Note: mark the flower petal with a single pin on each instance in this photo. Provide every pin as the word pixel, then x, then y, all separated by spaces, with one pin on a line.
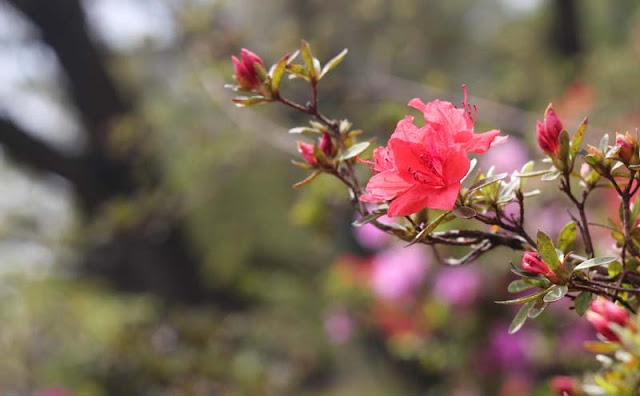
pixel 384 186
pixel 480 142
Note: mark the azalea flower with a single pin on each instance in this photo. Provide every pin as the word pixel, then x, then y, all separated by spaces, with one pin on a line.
pixel 422 167
pixel 245 69
pixel 549 131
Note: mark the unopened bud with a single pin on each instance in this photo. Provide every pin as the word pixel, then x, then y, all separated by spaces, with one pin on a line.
pixel 549 131
pixel 563 385
pixel 628 147
pixel 326 144
pixel 246 73
pixel 531 262
pixel 308 153
pixel 602 313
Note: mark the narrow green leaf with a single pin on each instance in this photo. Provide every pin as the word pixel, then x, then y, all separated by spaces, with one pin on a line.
pixel 548 252
pixel 308 180
pixel 555 294
pixel 367 219
pixel 521 317
pixel 604 143
pixel 551 176
pixel 307 55
pixel 277 73
pixel 354 150
pixel 532 174
pixel 524 299
pixel 576 142
pixel 519 285
pixel 464 212
pixel 567 237
pixel 594 262
pixel 298 130
pixel 333 63
pixel 537 309
pixel 244 101
pixel 582 302
pixel 486 181
pixel 427 230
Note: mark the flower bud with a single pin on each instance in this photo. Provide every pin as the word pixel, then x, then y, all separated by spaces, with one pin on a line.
pixel 307 150
pixel 531 262
pixel 549 131
pixel 602 313
pixel 628 147
pixel 245 70
pixel 326 145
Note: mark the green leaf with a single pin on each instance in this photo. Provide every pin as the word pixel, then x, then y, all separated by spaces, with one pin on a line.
pixel 604 143
pixel 354 150
pixel 333 63
pixel 427 230
pixel 521 317
pixel 307 55
pixel 537 309
pixel 594 262
pixel 551 176
pixel 277 73
pixel 486 181
pixel 555 294
pixel 297 130
pixel 308 180
pixel 244 101
pixel 525 299
pixel 548 252
pixel 519 285
pixel 582 302
pixel 464 212
pixel 532 174
pixel 567 237
pixel 367 219
pixel 576 142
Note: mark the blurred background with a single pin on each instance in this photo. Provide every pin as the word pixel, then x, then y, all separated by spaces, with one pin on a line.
pixel 151 244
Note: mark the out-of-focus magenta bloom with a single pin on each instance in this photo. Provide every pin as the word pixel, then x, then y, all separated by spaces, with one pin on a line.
pixel 507 352
pixel 370 237
pixel 458 286
pixel 506 157
pixel 531 262
pixel 53 392
pixel 398 272
pixel 339 327
pixel 549 131
pixel 572 338
pixel 602 313
pixel 307 151
pixel 245 69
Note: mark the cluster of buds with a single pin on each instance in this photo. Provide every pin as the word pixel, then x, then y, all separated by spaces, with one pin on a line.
pixel 602 313
pixel 531 262
pixel 319 154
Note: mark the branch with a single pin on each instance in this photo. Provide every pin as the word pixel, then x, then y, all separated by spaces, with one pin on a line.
pixel 36 154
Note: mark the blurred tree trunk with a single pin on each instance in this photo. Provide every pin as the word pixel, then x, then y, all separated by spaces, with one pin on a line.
pixel 146 257
pixel 565 29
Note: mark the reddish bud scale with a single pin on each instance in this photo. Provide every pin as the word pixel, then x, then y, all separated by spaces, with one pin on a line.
pixel 628 147
pixel 549 131
pixel 326 145
pixel 245 69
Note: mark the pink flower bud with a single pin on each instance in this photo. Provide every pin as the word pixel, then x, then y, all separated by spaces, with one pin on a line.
pixel 602 313
pixel 326 145
pixel 531 262
pixel 307 151
pixel 245 70
pixel 628 147
pixel 549 131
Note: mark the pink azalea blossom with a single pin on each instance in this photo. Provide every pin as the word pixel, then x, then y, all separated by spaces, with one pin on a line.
pixel 458 286
pixel 422 167
pixel 339 327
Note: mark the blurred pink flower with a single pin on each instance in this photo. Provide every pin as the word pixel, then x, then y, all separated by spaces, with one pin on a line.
pixel 507 352
pixel 53 392
pixel 458 286
pixel 398 272
pixel 339 327
pixel 370 237
pixel 506 157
